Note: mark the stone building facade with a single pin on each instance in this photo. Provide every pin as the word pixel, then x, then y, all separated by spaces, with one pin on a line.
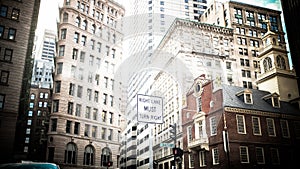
pixel 84 127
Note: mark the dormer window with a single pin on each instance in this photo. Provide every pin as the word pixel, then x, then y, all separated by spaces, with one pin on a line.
pixel 272 99
pixel 275 101
pixel 246 96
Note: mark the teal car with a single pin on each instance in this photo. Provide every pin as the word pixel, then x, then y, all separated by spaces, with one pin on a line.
pixel 31 165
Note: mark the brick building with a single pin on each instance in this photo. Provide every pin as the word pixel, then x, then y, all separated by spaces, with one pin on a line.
pixel 235 127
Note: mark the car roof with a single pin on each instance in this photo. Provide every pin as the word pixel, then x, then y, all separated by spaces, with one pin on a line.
pixel 29 165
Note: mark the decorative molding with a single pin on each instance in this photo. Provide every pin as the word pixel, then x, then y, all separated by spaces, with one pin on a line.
pixel 261 113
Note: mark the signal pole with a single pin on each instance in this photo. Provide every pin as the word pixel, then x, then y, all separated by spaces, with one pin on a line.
pixel 174 137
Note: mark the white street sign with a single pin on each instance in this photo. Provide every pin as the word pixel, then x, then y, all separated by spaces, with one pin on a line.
pixel 149 109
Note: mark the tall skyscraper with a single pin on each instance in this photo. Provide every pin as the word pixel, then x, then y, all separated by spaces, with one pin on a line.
pixel 145 24
pixel 44 60
pixel 17 25
pixel 84 123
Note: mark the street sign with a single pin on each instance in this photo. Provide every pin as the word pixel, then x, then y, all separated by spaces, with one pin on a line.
pixel 170 145
pixel 149 109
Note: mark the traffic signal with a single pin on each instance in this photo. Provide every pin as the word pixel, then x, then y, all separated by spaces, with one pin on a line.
pixel 109 163
pixel 173 131
pixel 177 152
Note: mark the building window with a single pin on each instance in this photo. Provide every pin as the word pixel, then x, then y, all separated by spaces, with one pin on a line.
pixel 95 114
pixel 76 128
pixel 12 33
pixel 59 68
pixel 57 86
pixel 84 25
pixel 275 156
pixel 70 108
pixel 79 91
pixel 104 98
pixel 55 105
pixel 1 31
pixel 103 133
pixel 202 158
pixel 110 134
pixel 70 154
pixel 88 157
pixel 248 98
pixel 76 37
pixel 189 134
pixel 260 157
pixel 105 156
pixel 103 117
pixel 78 110
pixel 215 156
pixel 87 130
pixel 213 126
pixel 4 77
pixel 285 128
pixel 88 112
pixel 244 156
pixel 65 17
pixel 15 14
pixel 94 131
pixel 191 161
pixel 240 120
pixel 72 89
pixel 275 101
pixel 75 54
pixel 53 124
pixel 8 53
pixel 82 56
pixel 256 126
pixel 68 126
pixel 61 50
pixel 83 40
pixel 89 94
pixel 99 47
pixel 3 11
pixel 110 118
pixel 96 96
pixel 267 64
pixel 271 127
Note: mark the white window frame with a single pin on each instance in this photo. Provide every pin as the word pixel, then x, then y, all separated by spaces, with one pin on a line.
pixel 244 154
pixel 256 126
pixel 284 128
pixel 260 154
pixel 240 124
pixel 213 126
pixel 271 127
pixel 215 156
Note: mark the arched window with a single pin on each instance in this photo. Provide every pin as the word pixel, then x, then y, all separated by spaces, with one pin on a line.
pixel 78 22
pixel 65 17
pixel 105 156
pixel 88 158
pixel 267 64
pixel 84 25
pixel 70 153
pixel 280 62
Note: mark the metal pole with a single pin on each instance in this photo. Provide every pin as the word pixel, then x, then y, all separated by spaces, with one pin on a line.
pixel 175 140
pixel 125 150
